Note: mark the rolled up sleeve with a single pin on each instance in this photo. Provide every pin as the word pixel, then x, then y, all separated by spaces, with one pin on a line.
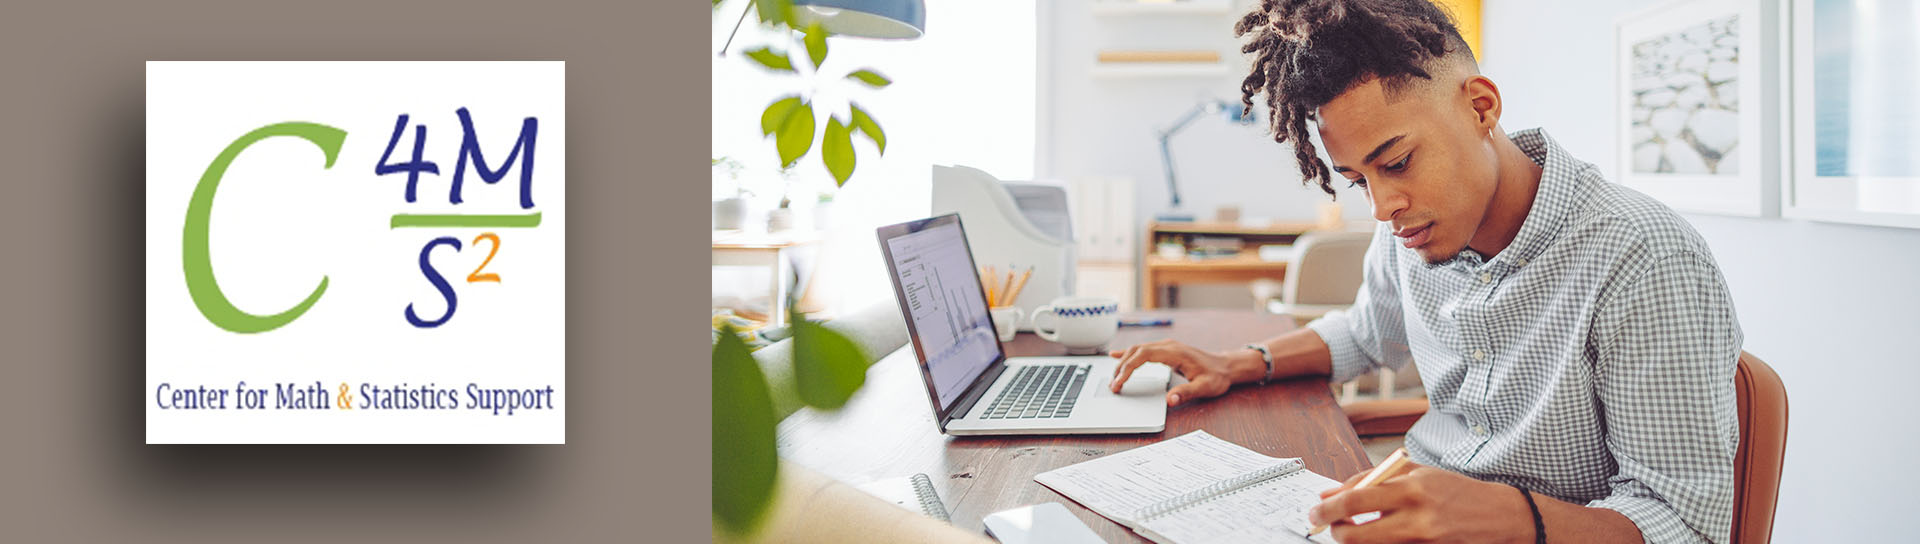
pixel 1667 346
pixel 1373 332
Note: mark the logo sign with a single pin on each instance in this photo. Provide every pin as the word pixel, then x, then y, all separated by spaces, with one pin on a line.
pixel 356 252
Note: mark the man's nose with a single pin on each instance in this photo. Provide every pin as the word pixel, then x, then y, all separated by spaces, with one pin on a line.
pixel 1386 203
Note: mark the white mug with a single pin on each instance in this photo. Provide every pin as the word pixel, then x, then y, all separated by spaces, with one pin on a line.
pixel 1083 324
pixel 1006 321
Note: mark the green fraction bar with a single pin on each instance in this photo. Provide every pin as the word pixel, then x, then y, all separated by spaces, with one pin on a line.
pixel 458 220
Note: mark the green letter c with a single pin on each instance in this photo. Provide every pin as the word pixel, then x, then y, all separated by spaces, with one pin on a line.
pixel 194 255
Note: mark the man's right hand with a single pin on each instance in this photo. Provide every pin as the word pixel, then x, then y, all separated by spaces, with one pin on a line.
pixel 1208 374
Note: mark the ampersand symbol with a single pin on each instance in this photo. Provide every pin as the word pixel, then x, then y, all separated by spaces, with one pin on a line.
pixel 343 402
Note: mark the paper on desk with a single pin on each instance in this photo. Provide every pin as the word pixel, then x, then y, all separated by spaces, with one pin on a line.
pixel 1118 485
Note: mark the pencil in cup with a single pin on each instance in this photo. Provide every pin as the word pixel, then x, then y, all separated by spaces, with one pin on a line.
pixel 1392 466
pixel 1020 286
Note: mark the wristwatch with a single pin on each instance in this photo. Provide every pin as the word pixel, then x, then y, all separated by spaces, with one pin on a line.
pixel 1265 357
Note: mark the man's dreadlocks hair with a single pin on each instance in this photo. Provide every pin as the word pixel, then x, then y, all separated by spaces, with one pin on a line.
pixel 1310 51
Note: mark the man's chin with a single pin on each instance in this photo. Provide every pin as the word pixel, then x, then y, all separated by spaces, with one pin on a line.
pixel 1434 254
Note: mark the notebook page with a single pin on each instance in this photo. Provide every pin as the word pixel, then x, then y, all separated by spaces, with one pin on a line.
pixel 1118 485
pixel 1272 511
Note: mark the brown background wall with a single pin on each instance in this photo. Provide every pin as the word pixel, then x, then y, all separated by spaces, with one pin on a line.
pixel 73 464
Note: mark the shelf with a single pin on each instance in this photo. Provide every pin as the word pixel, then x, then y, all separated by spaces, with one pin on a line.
pixel 1159 69
pixel 1190 7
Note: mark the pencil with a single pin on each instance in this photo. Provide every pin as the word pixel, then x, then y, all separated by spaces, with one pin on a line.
pixel 1019 286
pixel 986 282
pixel 1004 291
pixel 1386 469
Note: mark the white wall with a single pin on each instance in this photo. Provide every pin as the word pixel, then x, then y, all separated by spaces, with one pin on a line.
pixel 1832 307
pixel 962 94
pixel 1109 127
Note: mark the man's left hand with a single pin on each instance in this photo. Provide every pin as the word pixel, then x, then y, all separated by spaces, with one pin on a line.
pixel 1426 505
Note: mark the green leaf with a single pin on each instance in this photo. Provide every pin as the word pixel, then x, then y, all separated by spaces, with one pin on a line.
pixel 775 115
pixel 836 149
pixel 866 125
pixel 744 460
pixel 816 43
pixel 771 59
pixel 775 12
pixel 827 366
pixel 870 77
pixel 795 136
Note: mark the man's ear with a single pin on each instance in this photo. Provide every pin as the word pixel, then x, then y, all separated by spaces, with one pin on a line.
pixel 1484 97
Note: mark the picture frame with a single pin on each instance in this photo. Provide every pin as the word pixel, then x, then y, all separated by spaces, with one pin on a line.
pixel 1852 151
pixel 1696 118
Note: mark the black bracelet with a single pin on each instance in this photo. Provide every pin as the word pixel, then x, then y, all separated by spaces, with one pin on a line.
pixel 1539 527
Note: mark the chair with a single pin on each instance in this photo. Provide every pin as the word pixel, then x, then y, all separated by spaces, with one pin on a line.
pixel 1760 399
pixel 1323 275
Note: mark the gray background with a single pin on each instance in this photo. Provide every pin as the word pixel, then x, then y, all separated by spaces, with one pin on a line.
pixel 73 460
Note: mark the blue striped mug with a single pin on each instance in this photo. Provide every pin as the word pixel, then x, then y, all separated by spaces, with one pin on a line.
pixel 1083 324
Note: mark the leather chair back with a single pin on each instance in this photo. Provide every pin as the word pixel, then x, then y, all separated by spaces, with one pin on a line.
pixel 1762 403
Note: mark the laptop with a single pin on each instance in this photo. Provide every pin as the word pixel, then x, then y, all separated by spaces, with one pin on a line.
pixel 975 389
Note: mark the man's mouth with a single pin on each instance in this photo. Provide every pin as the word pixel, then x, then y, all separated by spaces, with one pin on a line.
pixel 1415 236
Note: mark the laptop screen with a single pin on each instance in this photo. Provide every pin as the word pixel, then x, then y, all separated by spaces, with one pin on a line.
pixel 946 306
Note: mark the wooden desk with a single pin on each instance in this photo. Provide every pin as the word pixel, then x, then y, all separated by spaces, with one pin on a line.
pixel 887 429
pixel 1163 276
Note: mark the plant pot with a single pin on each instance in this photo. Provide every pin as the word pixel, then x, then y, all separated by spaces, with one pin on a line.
pixel 730 214
pixel 823 216
pixel 779 219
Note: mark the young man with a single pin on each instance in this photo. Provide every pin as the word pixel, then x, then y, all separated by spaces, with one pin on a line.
pixel 1577 341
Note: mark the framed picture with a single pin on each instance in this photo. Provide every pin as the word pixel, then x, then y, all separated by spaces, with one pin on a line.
pixel 1854 152
pixel 1696 117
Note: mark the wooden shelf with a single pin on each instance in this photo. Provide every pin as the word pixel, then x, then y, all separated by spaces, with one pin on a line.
pixel 1158 69
pixel 1189 7
pixel 1229 229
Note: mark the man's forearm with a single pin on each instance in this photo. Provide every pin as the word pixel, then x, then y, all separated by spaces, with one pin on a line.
pixel 1297 353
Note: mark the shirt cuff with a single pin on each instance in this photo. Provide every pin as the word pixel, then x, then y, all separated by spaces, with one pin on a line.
pixel 1336 329
pixel 1658 522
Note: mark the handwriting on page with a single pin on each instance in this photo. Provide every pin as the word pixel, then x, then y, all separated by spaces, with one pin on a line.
pixel 1128 481
pixel 1275 510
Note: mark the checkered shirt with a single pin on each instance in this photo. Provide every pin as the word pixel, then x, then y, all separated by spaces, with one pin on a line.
pixel 1592 360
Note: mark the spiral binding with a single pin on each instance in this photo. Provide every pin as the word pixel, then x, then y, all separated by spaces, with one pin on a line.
pixel 929 501
pixel 1218 489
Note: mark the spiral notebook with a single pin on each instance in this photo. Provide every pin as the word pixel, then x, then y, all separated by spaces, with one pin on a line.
pixel 910 492
pixel 1197 489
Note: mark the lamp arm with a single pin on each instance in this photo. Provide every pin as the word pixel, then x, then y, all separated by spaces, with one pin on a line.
pixel 736 29
pixel 1166 153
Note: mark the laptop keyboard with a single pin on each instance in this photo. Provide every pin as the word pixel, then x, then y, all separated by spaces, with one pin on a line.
pixel 1039 392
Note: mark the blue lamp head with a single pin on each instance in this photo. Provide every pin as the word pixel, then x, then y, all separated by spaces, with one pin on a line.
pixel 1235 113
pixel 885 19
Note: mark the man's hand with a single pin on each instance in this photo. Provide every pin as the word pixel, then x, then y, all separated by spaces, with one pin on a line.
pixel 1208 374
pixel 1426 505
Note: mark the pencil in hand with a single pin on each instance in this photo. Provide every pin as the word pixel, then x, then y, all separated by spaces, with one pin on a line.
pixel 1392 466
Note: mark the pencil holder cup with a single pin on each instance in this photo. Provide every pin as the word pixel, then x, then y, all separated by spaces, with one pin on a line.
pixel 1006 322
pixel 1083 324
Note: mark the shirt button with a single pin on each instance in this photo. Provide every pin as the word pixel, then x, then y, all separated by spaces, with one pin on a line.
pixel 1486 277
pixel 1480 430
pixel 1479 355
pixel 1520 262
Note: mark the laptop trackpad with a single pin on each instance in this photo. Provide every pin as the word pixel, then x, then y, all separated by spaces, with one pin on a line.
pixel 1147 379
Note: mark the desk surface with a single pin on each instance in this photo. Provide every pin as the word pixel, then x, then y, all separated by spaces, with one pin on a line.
pixel 887 429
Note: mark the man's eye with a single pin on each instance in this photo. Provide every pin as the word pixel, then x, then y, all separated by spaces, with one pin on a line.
pixel 1360 182
pixel 1399 166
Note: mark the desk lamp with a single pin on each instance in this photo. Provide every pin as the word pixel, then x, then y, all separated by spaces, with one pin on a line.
pixel 882 19
pixel 1230 112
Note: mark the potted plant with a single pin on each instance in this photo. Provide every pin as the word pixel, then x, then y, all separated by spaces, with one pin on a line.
pixel 730 213
pixel 827 366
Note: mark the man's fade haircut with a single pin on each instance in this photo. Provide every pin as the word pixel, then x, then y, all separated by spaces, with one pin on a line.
pixel 1310 51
